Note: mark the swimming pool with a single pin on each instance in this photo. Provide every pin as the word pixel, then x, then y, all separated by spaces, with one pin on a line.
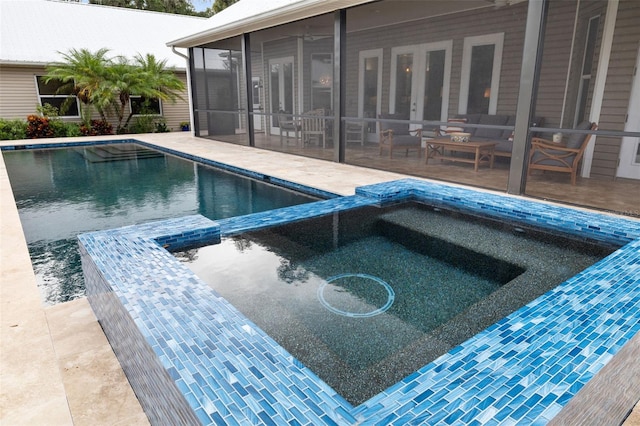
pixel 63 192
pixel 367 296
pixel 195 358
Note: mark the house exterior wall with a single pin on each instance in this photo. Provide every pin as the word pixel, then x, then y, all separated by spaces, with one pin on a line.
pixel 566 32
pixel 509 20
pixel 561 67
pixel 624 51
pixel 19 97
pixel 178 111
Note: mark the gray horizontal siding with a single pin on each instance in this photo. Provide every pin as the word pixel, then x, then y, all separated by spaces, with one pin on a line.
pixel 617 88
pixel 18 97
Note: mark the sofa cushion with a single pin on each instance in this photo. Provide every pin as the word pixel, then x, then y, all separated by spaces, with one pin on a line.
pixel 493 120
pixel 398 128
pixel 575 139
pixel 506 134
pixel 406 140
pixel 471 119
pixel 504 145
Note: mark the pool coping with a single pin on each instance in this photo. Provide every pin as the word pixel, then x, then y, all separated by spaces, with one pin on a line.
pixel 523 368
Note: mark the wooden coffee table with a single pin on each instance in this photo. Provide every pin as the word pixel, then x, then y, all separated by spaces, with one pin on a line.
pixel 438 148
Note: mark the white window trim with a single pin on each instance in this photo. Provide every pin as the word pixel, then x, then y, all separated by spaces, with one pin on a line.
pixel 141 115
pixel 585 77
pixel 40 96
pixel 601 78
pixel 496 39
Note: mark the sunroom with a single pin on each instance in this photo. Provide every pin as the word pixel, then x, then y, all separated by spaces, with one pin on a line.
pixel 381 84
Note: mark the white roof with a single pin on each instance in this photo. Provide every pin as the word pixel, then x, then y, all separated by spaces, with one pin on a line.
pixel 252 15
pixel 34 31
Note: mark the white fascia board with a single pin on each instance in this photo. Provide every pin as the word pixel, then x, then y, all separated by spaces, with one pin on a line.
pixel 220 26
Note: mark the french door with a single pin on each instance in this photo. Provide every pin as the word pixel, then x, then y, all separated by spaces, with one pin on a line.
pixel 256 87
pixel 420 77
pixel 280 89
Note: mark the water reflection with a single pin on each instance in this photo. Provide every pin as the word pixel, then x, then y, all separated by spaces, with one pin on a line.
pixel 61 193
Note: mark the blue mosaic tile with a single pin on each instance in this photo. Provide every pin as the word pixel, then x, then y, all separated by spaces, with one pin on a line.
pixel 216 367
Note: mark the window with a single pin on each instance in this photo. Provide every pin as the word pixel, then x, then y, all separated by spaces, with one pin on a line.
pixel 321 80
pixel 64 100
pixel 480 81
pixel 141 105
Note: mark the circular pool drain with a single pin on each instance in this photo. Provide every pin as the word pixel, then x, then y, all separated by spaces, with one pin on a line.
pixel 390 296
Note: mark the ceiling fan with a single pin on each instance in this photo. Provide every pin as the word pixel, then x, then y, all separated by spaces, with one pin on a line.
pixel 309 35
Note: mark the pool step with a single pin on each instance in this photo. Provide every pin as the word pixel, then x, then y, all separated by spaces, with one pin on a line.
pixel 120 152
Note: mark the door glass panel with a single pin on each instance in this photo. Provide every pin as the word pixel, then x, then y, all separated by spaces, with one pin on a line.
pixel 275 92
pixel 404 74
pixel 321 80
pixel 480 79
pixel 587 65
pixel 433 85
pixel 370 101
pixel 288 87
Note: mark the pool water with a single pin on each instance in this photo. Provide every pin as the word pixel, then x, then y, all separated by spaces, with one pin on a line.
pixel 63 192
pixel 368 296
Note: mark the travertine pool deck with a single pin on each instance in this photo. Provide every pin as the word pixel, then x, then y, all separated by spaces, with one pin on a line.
pixel 60 351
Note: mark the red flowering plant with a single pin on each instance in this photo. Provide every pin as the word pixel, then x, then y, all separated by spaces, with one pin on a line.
pixel 98 127
pixel 38 127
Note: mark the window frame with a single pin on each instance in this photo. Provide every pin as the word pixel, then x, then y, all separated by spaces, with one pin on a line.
pixel 158 114
pixel 41 96
pixel 495 39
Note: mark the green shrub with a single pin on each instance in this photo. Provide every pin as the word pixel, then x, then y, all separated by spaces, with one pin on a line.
pixel 13 129
pixel 161 126
pixel 73 129
pixel 47 110
pixel 143 124
pixel 58 127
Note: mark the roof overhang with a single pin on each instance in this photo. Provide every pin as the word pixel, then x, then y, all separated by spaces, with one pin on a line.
pixel 222 25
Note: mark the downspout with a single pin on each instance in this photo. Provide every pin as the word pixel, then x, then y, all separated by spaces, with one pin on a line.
pixel 189 99
pixel 573 42
pixel 601 79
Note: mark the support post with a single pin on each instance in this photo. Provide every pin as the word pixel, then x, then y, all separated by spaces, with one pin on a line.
pixel 246 75
pixel 529 77
pixel 339 81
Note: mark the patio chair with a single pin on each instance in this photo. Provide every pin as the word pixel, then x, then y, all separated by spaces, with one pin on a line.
pixel 314 127
pixel 354 132
pixel 397 136
pixel 547 155
pixel 287 124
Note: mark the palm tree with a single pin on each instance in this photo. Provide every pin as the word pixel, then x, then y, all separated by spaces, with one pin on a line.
pixel 148 78
pixel 83 73
pixel 108 83
pixel 123 80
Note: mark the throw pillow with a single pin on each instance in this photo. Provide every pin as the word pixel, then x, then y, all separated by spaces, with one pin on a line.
pixel 453 125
